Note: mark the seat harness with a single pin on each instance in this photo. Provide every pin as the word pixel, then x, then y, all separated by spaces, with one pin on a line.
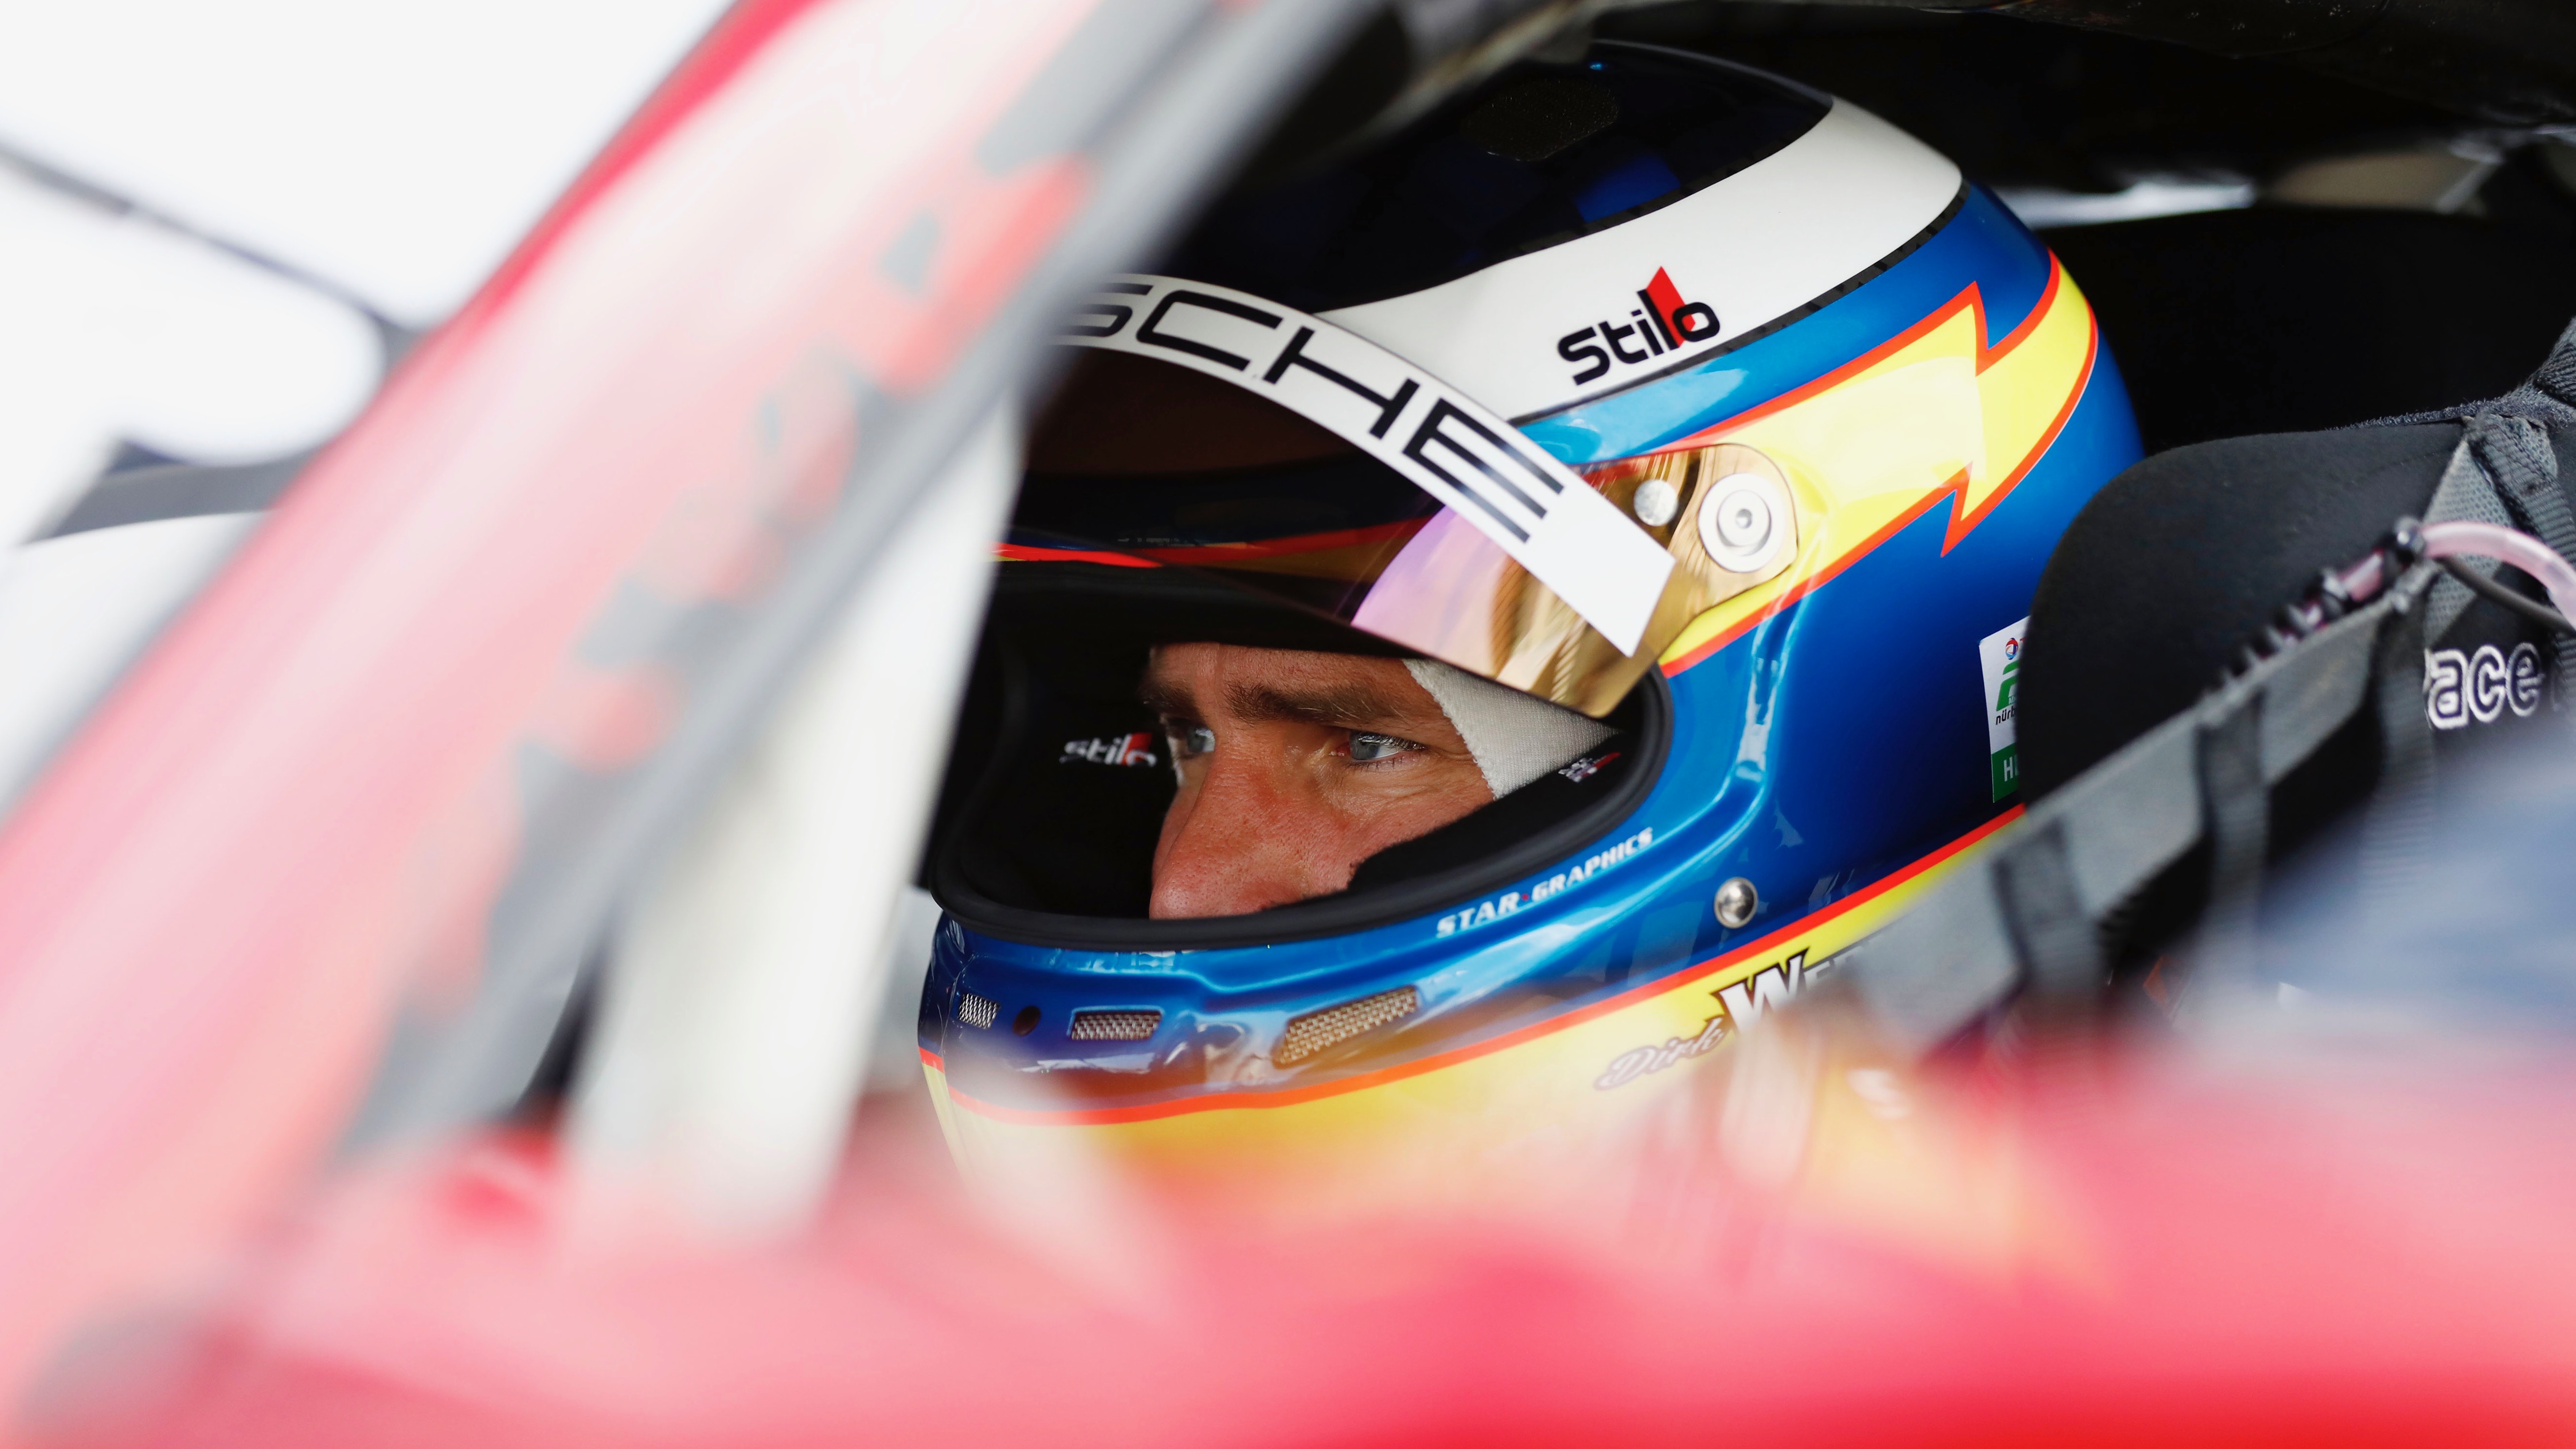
pixel 2027 917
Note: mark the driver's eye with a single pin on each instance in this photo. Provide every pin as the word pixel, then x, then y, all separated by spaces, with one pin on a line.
pixel 1367 747
pixel 1190 741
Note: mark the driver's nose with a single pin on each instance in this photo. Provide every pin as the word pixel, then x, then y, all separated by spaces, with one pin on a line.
pixel 1240 842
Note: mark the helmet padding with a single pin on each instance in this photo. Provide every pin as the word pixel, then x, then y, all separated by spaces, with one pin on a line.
pixel 1515 737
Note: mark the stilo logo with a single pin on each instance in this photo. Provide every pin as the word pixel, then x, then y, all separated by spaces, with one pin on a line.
pixel 1664 323
pixel 1135 749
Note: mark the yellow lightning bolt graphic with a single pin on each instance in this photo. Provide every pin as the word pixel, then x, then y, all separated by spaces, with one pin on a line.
pixel 1934 413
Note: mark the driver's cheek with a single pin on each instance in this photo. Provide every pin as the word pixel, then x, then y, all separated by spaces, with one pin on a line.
pixel 1251 828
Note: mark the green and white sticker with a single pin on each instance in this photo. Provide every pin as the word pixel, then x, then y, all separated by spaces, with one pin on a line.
pixel 1999 661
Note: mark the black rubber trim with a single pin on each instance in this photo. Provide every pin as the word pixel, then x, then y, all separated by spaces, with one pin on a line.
pixel 2496 593
pixel 1340 914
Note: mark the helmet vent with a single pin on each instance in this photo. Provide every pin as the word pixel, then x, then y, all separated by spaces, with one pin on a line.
pixel 1536 119
pixel 1316 1030
pixel 1115 1025
pixel 976 1011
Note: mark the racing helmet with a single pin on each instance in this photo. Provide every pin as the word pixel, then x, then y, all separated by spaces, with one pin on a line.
pixel 1657 393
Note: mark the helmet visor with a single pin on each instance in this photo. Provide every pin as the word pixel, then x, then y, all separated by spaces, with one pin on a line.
pixel 1173 467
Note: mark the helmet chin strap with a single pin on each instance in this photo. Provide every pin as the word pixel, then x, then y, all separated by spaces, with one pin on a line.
pixel 1515 737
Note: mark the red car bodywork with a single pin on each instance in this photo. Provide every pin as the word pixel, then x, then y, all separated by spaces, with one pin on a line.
pixel 293 821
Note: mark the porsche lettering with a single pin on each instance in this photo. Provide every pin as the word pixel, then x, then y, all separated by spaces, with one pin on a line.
pixel 1532 506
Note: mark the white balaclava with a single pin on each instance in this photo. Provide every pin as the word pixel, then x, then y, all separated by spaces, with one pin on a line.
pixel 1515 737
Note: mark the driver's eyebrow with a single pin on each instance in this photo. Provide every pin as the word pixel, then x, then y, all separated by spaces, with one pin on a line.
pixel 1346 706
pixel 1167 699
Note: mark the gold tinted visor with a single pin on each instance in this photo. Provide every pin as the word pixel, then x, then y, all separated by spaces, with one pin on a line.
pixel 1164 464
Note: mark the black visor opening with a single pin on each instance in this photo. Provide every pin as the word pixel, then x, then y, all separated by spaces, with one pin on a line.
pixel 1059 776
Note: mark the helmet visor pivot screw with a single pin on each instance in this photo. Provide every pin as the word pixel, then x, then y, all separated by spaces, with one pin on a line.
pixel 1656 502
pixel 1742 525
pixel 1743 520
pixel 1736 902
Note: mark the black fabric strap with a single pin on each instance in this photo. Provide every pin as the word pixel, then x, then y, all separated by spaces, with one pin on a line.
pixel 2398 828
pixel 2509 442
pixel 2236 810
pixel 2464 495
pixel 2053 936
pixel 2024 915
pixel 2514 452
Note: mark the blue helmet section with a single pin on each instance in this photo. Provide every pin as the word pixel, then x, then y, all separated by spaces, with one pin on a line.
pixel 1835 742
